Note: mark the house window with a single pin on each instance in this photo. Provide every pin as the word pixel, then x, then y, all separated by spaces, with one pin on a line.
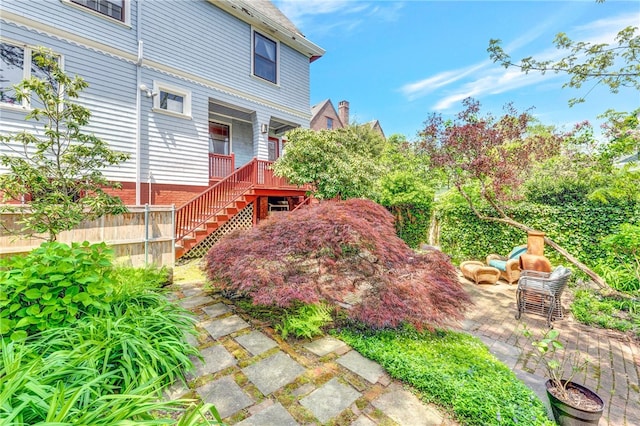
pixel 265 60
pixel 329 123
pixel 13 71
pixel 219 138
pixel 274 152
pixel 171 100
pixel 111 8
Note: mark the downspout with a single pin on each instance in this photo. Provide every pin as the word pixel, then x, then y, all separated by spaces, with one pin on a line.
pixel 139 103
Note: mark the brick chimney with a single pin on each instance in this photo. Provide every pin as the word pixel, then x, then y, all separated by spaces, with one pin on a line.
pixel 343 112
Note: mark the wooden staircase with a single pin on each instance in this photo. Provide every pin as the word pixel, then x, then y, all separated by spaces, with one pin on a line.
pixel 207 212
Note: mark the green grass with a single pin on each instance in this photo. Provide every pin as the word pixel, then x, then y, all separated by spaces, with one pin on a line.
pixel 612 312
pixel 453 370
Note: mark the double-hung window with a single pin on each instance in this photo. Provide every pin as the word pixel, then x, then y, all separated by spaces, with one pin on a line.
pixel 16 64
pixel 112 8
pixel 265 58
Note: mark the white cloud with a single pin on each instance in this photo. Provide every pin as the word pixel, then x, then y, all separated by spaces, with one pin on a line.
pixel 483 78
pixel 347 14
pixel 423 87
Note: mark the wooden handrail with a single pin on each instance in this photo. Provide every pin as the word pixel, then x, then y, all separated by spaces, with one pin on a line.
pixel 211 202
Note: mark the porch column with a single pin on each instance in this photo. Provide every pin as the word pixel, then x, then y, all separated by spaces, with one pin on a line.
pixel 260 138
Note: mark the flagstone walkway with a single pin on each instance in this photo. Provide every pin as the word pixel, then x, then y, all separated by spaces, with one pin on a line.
pixel 254 378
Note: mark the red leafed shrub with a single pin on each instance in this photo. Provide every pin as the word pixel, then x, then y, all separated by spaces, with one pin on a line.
pixel 345 253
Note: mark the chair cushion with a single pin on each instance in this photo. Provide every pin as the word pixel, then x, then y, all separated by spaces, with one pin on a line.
pixel 558 272
pixel 517 252
pixel 499 264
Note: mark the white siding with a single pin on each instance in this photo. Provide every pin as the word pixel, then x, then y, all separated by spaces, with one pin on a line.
pixel 192 45
pixel 111 96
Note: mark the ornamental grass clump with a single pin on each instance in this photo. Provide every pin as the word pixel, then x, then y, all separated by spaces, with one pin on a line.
pixel 343 253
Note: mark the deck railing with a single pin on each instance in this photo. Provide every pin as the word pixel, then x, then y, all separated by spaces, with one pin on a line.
pixel 221 166
pixel 203 207
pixel 266 178
pixel 255 174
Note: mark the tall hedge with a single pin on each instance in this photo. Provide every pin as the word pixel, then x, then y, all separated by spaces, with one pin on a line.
pixel 578 227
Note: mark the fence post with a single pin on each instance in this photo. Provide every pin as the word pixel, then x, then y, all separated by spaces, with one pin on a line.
pixel 173 231
pixel 146 234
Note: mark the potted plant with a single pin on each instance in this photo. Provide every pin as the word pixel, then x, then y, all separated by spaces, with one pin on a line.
pixel 571 403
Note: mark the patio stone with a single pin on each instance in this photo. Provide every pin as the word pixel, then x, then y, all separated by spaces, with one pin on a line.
pixel 216 310
pixel 272 373
pixel 176 391
pixel 194 301
pixel 256 342
pixel 405 408
pixel 226 395
pixel 274 415
pixel 216 358
pixel 192 291
pixel 224 326
pixel 191 339
pixel 329 400
pixel 362 366
pixel 363 421
pixel 323 346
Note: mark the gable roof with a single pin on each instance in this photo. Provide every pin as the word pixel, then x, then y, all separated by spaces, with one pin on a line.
pixel 264 15
pixel 315 109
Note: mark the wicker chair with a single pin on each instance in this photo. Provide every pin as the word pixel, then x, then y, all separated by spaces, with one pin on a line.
pixel 540 293
pixel 509 266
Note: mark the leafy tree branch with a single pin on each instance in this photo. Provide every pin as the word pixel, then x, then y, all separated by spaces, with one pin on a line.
pixel 59 172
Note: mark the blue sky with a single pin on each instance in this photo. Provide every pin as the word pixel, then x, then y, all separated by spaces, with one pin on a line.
pixel 399 61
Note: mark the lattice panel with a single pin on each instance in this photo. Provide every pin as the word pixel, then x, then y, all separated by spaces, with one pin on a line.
pixel 242 220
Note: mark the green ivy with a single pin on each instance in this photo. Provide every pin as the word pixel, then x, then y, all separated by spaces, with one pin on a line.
pixel 53 285
pixel 580 228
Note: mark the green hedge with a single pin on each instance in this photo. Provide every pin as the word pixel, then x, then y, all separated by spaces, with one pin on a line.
pixel 412 223
pixel 579 228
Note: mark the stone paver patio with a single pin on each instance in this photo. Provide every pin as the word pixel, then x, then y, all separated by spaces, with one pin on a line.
pixel 255 378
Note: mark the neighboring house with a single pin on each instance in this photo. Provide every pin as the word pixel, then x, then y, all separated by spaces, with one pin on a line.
pixel 192 90
pixel 325 116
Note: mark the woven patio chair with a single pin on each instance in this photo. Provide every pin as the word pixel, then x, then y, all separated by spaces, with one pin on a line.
pixel 540 293
pixel 509 265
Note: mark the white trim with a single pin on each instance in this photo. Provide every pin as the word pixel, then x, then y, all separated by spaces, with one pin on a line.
pixel 253 55
pixel 26 72
pixel 126 11
pixel 164 87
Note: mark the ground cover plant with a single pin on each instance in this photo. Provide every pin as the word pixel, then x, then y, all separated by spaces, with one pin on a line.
pixel 97 362
pixel 341 253
pixel 454 370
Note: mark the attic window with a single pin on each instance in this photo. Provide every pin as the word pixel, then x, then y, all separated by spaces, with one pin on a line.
pixel 265 58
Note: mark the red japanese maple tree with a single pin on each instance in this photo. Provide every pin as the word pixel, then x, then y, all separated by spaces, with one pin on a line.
pixel 345 253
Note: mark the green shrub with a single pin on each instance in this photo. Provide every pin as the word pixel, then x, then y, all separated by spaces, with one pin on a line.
pixel 51 389
pixel 305 321
pixel 624 258
pixel 453 370
pixel 53 285
pixel 104 368
pixel 579 228
pixel 129 281
pixel 617 312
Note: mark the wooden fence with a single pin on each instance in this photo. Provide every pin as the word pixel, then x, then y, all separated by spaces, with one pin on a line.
pixel 144 235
